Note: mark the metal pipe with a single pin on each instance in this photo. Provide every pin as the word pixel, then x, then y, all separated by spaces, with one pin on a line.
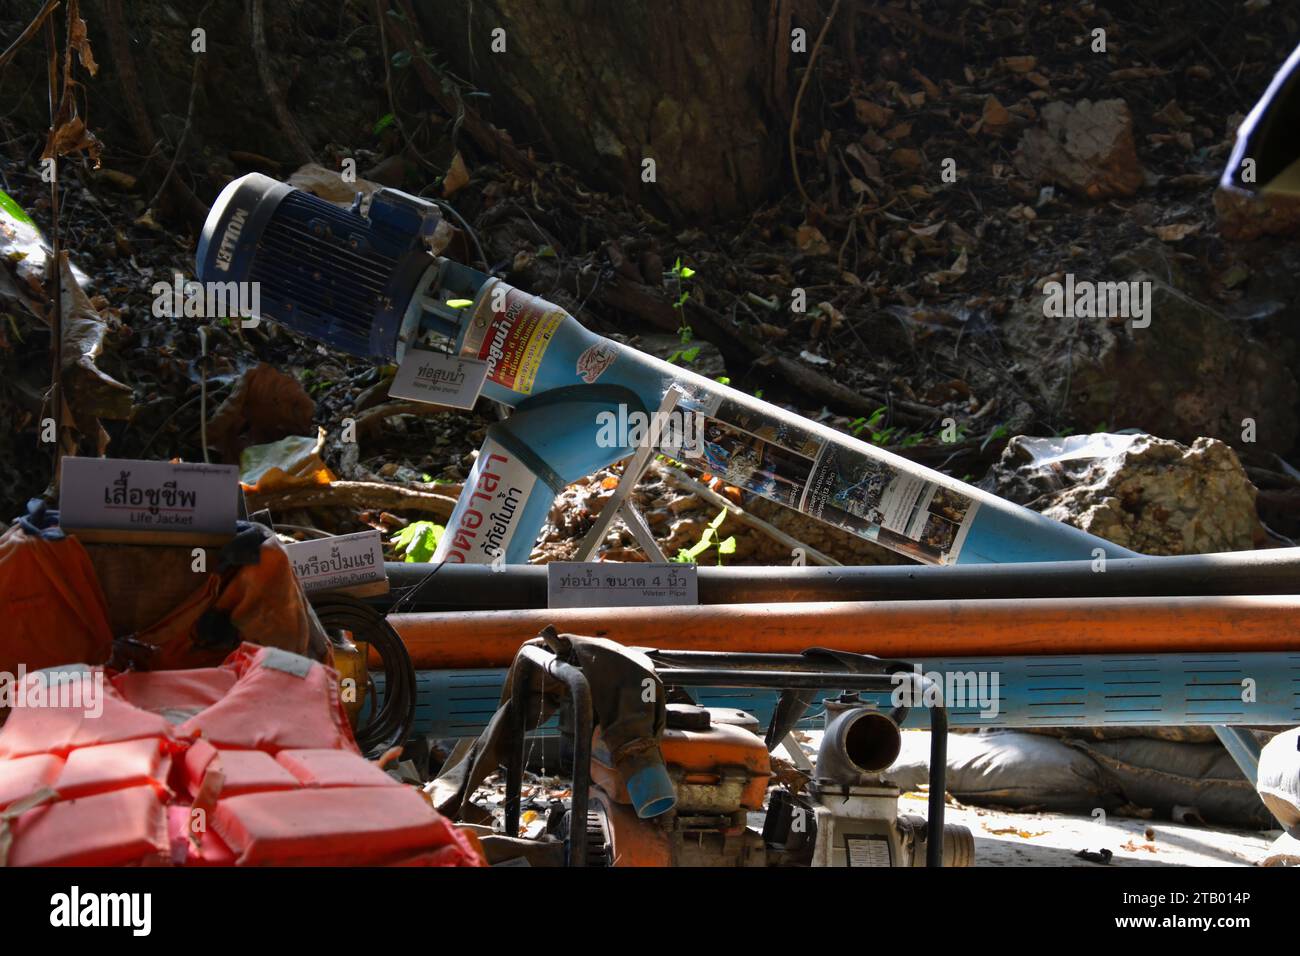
pixel 1174 690
pixel 457 587
pixel 706 677
pixel 899 629
pixel 1243 748
pixel 857 741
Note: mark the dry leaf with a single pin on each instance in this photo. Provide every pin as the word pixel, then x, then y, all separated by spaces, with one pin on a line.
pixel 1003 831
pixel 955 271
pixel 79 39
pixel 872 114
pixel 810 240
pixel 265 406
pixel 329 184
pixel 1017 64
pixel 457 175
pixel 996 118
pixel 909 159
pixel 899 131
pixel 1176 231
pixel 870 165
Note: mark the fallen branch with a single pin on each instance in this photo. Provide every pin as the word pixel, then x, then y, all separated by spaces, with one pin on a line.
pixel 486 136
pixel 648 305
pixel 189 120
pixel 370 420
pixel 798 99
pixel 362 495
pixel 271 86
pixel 679 479
pixel 115 24
pixel 29 32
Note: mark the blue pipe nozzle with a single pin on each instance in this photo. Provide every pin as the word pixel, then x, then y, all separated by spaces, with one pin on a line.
pixel 651 790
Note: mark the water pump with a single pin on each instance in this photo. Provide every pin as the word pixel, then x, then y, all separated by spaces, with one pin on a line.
pixel 362 281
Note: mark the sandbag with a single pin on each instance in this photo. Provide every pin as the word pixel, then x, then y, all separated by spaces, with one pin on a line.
pixel 1010 769
pixel 1278 782
pixel 1161 775
pixel 1033 771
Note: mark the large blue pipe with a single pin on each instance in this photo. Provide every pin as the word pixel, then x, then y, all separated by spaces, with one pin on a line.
pixel 1235 690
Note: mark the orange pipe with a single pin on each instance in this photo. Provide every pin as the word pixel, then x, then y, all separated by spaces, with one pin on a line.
pixel 902 629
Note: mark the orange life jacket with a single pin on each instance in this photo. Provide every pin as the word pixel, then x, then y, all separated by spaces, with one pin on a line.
pixel 249 763
pixel 55 612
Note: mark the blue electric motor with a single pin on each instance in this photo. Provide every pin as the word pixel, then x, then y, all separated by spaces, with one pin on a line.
pixel 361 284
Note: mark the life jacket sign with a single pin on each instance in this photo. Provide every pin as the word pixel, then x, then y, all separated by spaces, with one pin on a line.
pixel 119 499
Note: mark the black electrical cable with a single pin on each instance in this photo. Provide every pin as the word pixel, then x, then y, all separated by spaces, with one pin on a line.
pixel 390 721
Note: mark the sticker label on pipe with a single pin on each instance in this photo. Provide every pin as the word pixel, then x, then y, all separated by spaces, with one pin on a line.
pixel 572 584
pixel 487 514
pixel 512 341
pixel 438 378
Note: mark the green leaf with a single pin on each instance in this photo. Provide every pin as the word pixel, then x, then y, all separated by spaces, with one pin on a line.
pixel 418 541
pixel 11 208
pixel 723 380
pixel 691 354
pixel 686 273
pixel 384 122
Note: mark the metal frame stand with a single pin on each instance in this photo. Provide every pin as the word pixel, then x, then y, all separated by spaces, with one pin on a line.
pixel 619 504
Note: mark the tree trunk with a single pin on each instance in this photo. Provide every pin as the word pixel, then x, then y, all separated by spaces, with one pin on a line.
pixel 702 89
